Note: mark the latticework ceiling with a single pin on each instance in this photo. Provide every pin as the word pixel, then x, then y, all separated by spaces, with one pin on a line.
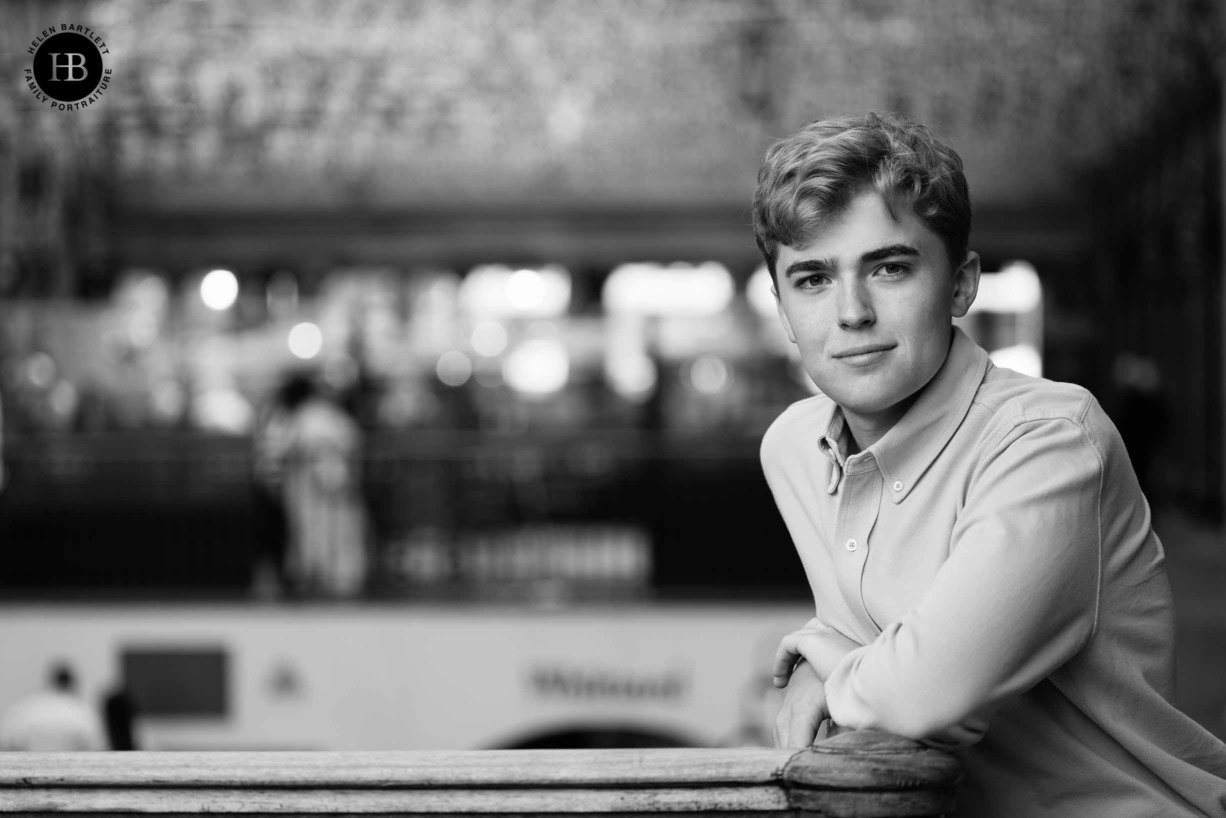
pixel 389 104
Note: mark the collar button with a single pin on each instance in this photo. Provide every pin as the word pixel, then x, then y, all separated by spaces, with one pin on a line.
pixel 897 485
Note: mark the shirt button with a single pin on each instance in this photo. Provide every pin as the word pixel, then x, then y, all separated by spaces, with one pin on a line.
pixel 897 485
pixel 850 545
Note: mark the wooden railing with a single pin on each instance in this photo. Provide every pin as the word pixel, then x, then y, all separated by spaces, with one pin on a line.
pixel 862 774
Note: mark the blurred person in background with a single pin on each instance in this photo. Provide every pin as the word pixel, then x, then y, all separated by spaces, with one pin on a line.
pixel 52 720
pixel 309 448
pixel 119 712
pixel 985 575
pixel 270 447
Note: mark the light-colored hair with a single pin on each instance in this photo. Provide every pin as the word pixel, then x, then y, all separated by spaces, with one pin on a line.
pixel 809 178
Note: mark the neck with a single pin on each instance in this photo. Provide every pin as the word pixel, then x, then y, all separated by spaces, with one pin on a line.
pixel 868 429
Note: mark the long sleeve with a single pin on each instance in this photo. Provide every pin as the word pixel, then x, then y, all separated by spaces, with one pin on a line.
pixel 1015 600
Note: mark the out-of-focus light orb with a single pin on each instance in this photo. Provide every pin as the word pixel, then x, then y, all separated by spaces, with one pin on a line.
pixel 492 290
pixel 454 368
pixel 525 290
pixel 224 410
pixel 1015 289
pixel 538 367
pixel 64 399
pixel 219 290
pixel 649 288
pixel 1022 358
pixel 632 376
pixel 489 339
pixel 710 375
pixel 40 370
pixel 305 340
pixel 759 291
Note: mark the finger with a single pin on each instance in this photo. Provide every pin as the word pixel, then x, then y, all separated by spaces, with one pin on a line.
pixel 781 680
pixel 785 658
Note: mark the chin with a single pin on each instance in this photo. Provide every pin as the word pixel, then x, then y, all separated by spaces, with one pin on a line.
pixel 863 404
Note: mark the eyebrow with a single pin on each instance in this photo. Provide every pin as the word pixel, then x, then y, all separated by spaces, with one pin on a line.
pixel 821 265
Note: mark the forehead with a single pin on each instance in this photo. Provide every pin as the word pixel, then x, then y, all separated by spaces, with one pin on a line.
pixel 867 223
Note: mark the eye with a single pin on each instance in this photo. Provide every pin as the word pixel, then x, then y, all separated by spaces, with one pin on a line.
pixel 893 269
pixel 812 282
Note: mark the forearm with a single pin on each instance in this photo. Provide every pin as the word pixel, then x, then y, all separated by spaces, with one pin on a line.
pixel 893 685
pixel 939 672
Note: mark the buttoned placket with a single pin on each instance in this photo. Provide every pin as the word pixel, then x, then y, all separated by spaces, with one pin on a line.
pixel 859 505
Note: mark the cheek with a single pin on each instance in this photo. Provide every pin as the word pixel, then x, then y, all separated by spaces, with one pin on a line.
pixel 807 326
pixel 812 339
pixel 928 319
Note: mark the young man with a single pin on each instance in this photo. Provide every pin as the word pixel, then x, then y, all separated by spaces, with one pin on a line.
pixel 983 567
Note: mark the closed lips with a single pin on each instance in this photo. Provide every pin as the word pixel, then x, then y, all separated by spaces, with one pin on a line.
pixel 862 351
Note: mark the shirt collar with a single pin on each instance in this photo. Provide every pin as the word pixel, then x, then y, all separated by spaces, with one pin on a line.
pixel 833 445
pixel 906 451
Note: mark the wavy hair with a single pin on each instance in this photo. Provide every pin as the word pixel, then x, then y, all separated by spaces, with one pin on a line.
pixel 809 178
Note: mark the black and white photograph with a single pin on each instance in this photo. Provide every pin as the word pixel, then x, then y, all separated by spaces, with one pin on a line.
pixel 789 408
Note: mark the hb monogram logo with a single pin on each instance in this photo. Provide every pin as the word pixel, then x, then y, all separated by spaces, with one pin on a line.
pixel 72 63
pixel 69 70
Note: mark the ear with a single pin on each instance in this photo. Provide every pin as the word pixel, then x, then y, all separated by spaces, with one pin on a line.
pixel 783 316
pixel 966 285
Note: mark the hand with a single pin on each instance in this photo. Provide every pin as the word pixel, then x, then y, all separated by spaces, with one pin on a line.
pixel 823 647
pixel 804 708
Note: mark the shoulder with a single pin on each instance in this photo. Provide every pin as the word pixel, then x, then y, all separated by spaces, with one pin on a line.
pixel 1010 399
pixel 1014 406
pixel 804 420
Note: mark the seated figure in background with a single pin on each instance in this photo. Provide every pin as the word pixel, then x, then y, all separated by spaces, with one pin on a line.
pixel 985 574
pixel 55 719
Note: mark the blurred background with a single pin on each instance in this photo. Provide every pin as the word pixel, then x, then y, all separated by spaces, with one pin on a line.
pixel 392 375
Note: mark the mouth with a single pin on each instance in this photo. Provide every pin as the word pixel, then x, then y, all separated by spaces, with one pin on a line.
pixel 864 353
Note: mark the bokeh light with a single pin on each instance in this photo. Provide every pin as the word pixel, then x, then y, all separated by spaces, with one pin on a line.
pixel 454 368
pixel 674 290
pixel 219 290
pixel 525 290
pixel 710 375
pixel 538 367
pixel 632 375
pixel 40 370
pixel 759 292
pixel 305 340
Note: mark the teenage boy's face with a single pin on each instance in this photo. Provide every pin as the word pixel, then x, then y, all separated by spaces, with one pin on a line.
pixel 869 302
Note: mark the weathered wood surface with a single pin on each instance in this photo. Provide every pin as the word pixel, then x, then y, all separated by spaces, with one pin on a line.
pixel 418 769
pixel 860 774
pixel 863 774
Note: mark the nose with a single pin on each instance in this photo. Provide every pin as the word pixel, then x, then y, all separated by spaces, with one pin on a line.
pixel 855 306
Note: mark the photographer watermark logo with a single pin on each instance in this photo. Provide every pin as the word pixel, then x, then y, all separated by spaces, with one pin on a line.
pixel 69 70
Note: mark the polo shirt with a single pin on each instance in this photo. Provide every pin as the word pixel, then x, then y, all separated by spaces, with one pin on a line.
pixel 993 555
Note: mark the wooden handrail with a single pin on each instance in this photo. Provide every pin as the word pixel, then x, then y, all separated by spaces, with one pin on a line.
pixel 854 774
